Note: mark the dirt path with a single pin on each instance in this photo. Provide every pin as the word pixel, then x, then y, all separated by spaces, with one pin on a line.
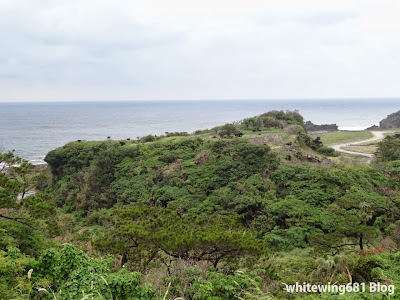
pixel 378 135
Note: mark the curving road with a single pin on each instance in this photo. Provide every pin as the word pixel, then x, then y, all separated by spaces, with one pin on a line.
pixel 378 135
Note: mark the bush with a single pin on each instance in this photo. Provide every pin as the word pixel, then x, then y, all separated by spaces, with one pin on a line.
pixel 328 151
pixel 74 273
pixel 294 129
pixel 243 284
pixel 168 158
pixel 148 138
pixel 169 134
pixel 14 267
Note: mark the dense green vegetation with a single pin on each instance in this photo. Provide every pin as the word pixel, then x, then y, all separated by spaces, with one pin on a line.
pixel 205 216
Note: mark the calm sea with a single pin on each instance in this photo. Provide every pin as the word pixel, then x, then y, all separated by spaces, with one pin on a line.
pixel 33 129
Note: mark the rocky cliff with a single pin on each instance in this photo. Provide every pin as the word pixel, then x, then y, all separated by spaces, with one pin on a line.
pixel 310 126
pixel 391 121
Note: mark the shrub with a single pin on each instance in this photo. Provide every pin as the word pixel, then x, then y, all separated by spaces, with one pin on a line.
pixel 74 273
pixel 328 151
pixel 148 138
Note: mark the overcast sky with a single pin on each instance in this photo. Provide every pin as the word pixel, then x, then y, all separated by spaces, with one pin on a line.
pixel 69 50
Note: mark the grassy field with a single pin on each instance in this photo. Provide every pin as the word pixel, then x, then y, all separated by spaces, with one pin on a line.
pixel 268 130
pixel 391 133
pixel 340 137
pixel 361 149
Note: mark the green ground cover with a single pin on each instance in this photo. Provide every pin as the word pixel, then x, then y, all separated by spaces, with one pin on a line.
pixel 340 137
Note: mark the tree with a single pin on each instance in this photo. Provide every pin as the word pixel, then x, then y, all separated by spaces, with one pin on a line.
pixel 19 213
pixel 227 130
pixel 9 185
pixel 17 178
pixel 389 149
pixel 190 237
pixel 352 218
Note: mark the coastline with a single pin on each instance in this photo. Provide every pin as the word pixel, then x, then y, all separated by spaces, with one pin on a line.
pixel 36 167
pixel 44 127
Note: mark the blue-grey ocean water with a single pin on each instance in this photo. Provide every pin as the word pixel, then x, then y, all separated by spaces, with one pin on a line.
pixel 33 129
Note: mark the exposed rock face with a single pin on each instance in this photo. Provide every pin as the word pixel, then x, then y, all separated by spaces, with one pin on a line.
pixel 310 126
pixel 373 127
pixel 391 121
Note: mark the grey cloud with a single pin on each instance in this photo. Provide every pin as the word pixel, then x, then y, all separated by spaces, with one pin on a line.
pixel 49 49
pixel 35 54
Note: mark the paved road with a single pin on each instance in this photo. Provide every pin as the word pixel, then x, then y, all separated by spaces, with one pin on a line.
pixel 378 135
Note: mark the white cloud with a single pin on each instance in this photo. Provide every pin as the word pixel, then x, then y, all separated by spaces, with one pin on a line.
pixel 177 49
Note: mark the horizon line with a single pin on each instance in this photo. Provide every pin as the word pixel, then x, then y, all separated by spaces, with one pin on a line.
pixel 205 99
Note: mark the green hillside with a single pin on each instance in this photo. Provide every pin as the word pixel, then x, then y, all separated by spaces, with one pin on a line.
pixel 227 213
